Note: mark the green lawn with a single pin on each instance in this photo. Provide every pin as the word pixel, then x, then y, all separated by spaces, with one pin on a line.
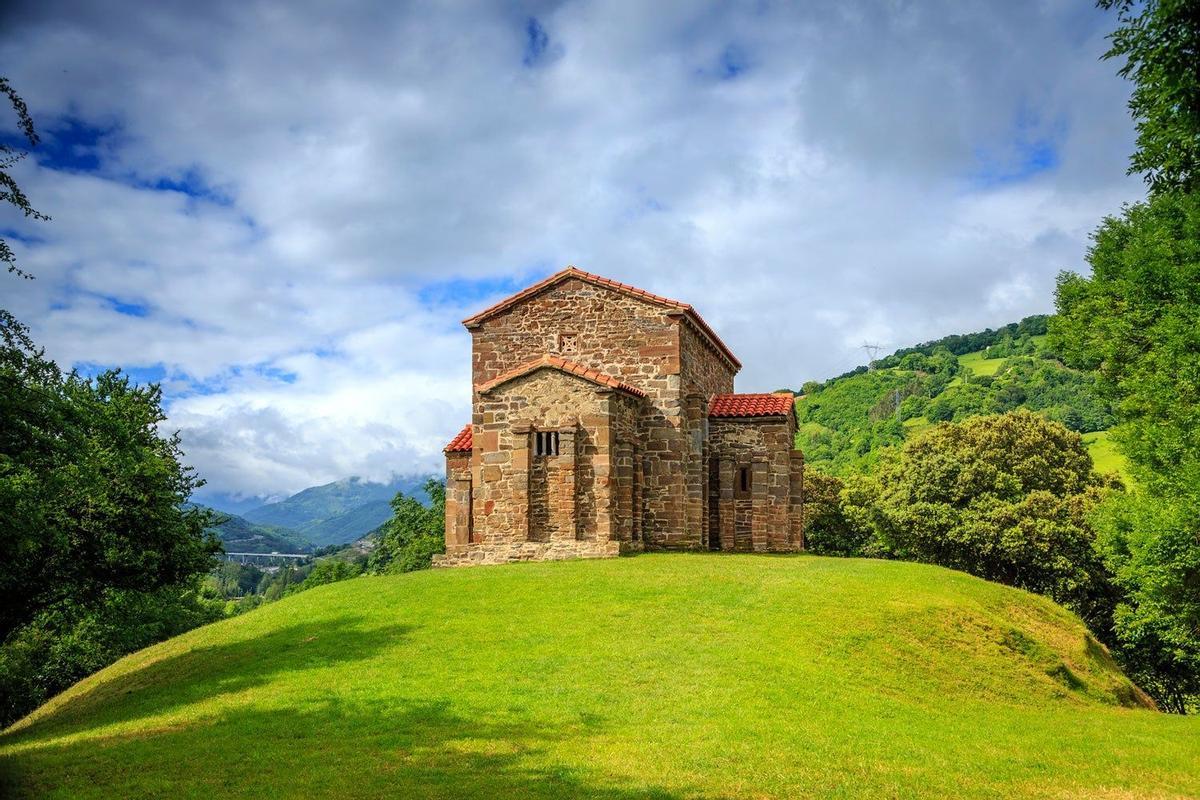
pixel 979 365
pixel 662 676
pixel 1104 453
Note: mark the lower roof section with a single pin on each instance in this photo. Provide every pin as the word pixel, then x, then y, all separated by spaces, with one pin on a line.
pixel 752 405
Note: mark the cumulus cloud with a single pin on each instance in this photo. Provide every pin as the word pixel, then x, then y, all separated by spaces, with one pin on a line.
pixel 285 209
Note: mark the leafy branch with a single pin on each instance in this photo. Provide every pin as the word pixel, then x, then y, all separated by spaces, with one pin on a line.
pixel 10 192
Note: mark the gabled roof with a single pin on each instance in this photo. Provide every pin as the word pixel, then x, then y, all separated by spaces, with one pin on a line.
pixel 570 367
pixel 461 443
pixel 751 405
pixel 674 306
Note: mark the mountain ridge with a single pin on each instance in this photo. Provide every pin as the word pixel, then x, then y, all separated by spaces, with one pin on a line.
pixel 338 512
pixel 240 535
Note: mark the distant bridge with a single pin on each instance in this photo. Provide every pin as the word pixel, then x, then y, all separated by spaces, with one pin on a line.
pixel 269 559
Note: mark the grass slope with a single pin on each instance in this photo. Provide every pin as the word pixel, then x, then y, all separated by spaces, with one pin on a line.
pixel 663 676
pixel 1105 454
pixel 979 364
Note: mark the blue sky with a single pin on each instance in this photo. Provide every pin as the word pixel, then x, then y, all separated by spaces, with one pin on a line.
pixel 281 212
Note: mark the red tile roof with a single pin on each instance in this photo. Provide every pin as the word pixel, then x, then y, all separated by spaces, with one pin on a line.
pixel 572 272
pixel 460 443
pixel 562 364
pixel 751 405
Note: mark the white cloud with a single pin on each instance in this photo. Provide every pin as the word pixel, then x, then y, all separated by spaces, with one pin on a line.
pixel 809 178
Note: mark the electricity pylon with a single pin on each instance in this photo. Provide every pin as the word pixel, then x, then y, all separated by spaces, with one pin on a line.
pixel 872 353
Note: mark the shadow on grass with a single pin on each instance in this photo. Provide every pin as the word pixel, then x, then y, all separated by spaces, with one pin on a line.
pixel 201 673
pixel 331 749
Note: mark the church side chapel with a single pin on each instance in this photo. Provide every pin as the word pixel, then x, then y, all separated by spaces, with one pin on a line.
pixel 604 421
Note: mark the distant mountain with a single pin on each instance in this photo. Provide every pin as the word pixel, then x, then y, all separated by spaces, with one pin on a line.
pixel 350 525
pixel 240 535
pixel 338 512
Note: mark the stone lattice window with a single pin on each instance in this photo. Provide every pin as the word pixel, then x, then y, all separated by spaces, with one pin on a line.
pixel 568 343
pixel 545 443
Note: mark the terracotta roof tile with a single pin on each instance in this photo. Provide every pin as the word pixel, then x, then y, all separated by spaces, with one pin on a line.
pixel 573 272
pixel 751 405
pixel 461 443
pixel 562 364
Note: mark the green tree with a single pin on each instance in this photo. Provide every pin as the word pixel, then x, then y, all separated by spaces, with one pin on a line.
pixel 231 579
pixel 827 531
pixel 409 540
pixel 10 192
pixel 1136 322
pixel 91 495
pixel 99 553
pixel 1151 545
pixel 1004 497
pixel 329 570
pixel 1160 42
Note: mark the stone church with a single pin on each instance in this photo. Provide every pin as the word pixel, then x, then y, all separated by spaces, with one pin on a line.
pixel 604 421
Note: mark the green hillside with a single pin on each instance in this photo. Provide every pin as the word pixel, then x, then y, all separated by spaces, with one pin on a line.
pixel 1104 453
pixel 338 512
pixel 348 526
pixel 847 421
pixel 240 535
pixel 978 363
pixel 663 676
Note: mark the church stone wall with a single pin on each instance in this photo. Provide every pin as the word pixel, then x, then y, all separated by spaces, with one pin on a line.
pixel 760 519
pixel 627 338
pixel 530 507
pixel 704 371
pixel 623 336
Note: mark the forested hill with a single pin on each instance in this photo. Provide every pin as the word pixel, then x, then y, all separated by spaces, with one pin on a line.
pixel 847 421
pixel 240 535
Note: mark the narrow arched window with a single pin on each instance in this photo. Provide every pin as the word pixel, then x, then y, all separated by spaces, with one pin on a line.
pixel 744 482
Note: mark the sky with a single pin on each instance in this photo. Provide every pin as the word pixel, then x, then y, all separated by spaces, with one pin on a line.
pixel 282 211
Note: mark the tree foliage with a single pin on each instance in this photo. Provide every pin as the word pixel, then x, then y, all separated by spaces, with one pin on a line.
pixel 66 644
pixel 99 553
pixel 1004 497
pixel 827 530
pixel 414 534
pixel 10 192
pixel 1064 395
pixel 1160 43
pixel 1136 321
pixel 1152 547
pixel 91 496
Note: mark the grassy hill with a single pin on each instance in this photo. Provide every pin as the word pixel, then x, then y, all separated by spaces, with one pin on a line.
pixel 663 676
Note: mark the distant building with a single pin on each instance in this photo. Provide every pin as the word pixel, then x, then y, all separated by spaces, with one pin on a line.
pixel 604 420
